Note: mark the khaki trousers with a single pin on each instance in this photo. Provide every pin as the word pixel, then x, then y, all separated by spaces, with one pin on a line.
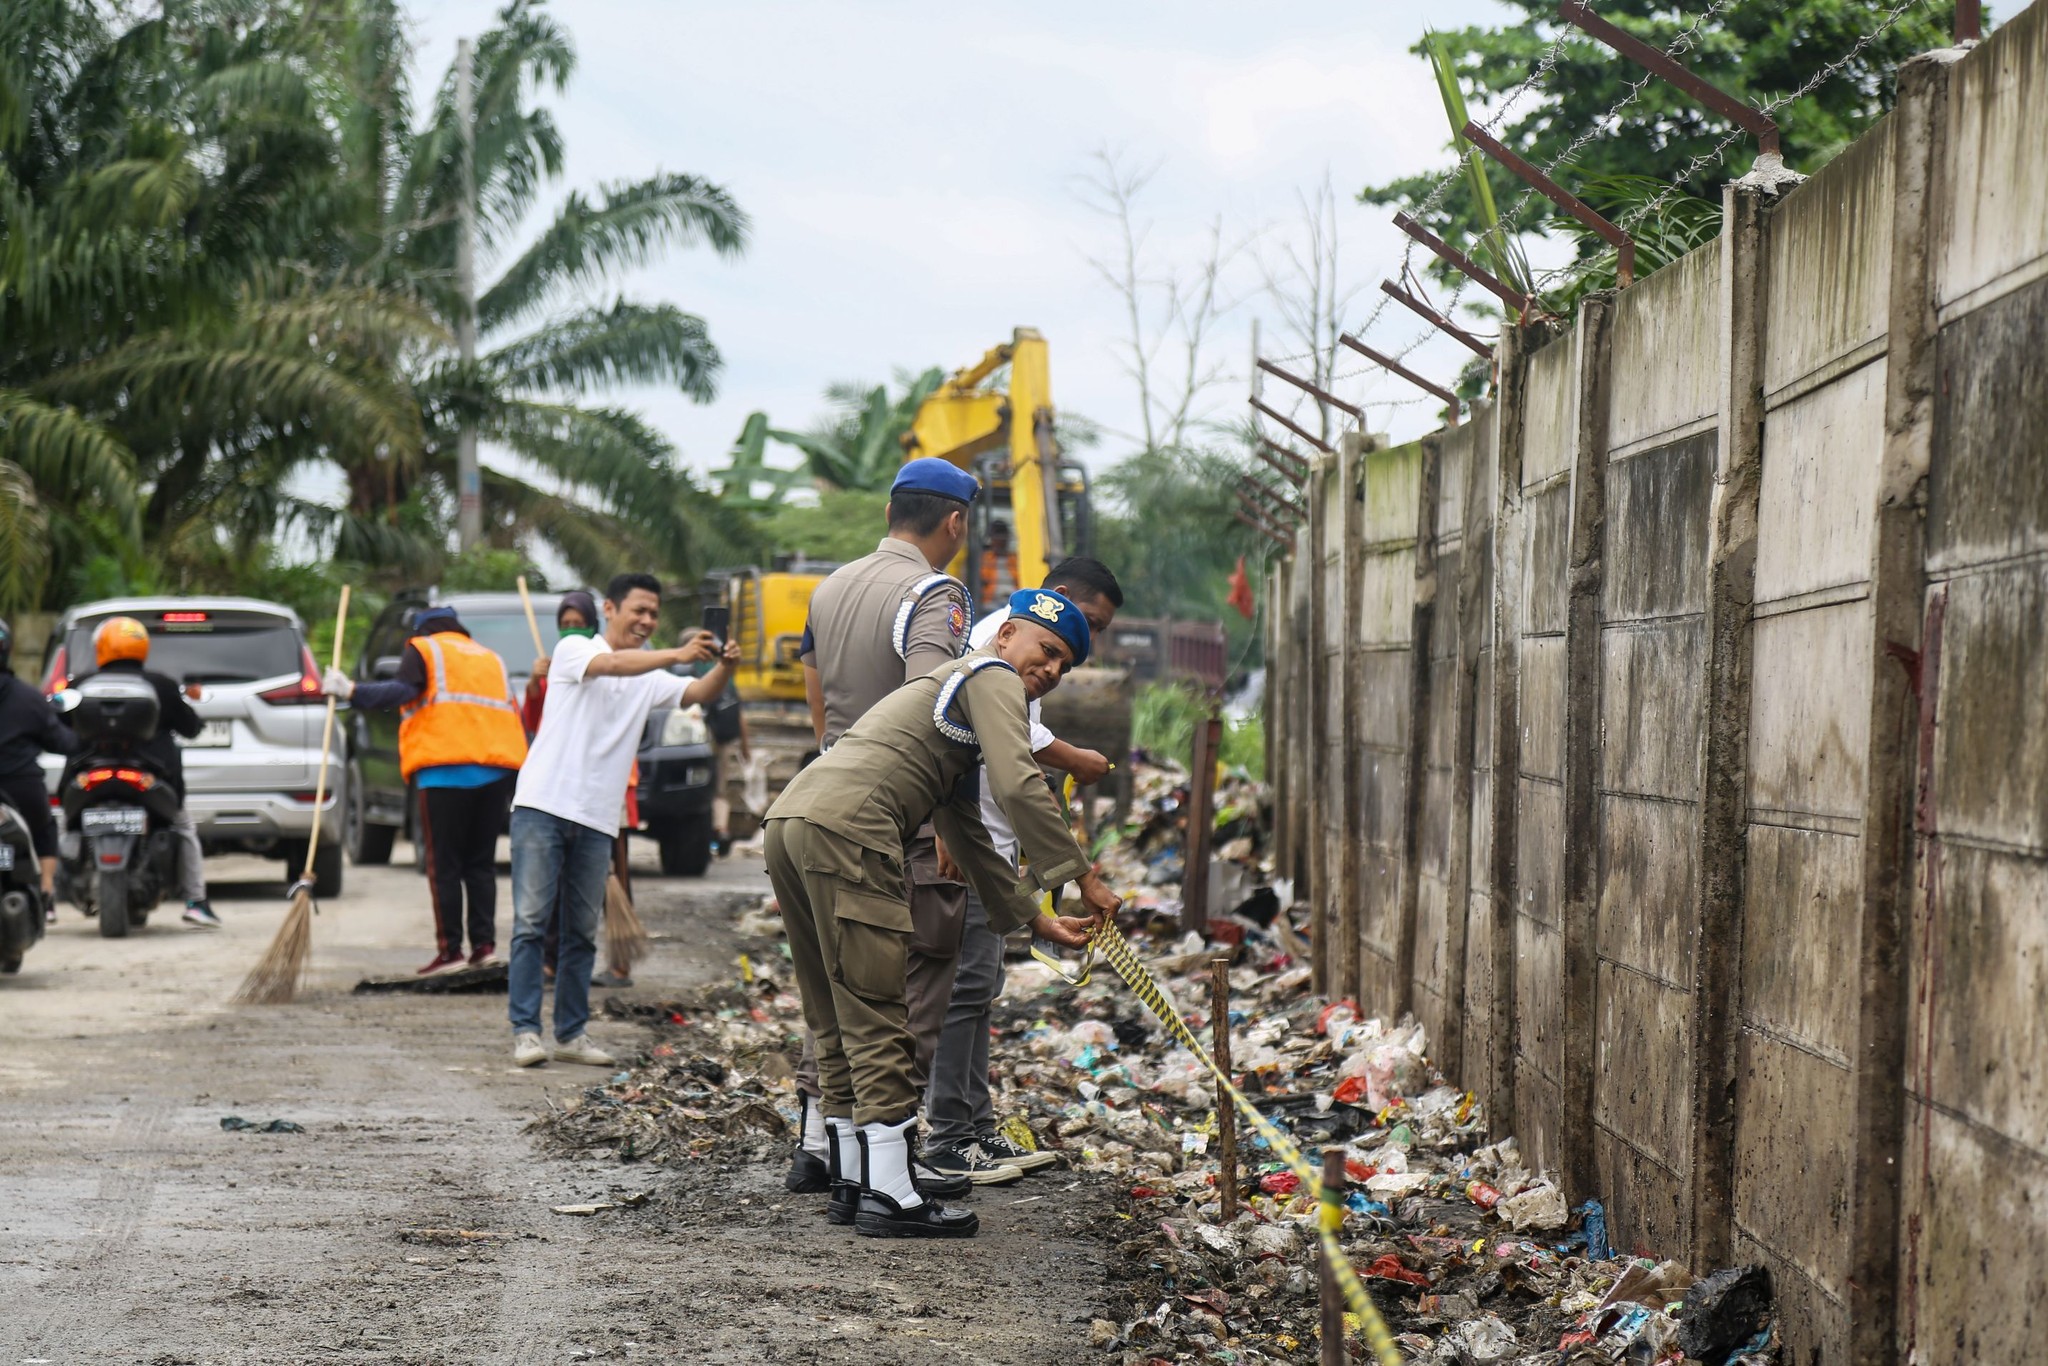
pixel 847 913
pixel 938 914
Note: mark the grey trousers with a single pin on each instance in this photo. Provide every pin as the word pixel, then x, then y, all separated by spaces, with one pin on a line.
pixel 192 858
pixel 957 1103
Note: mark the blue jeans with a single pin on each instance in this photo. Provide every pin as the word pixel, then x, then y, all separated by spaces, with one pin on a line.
pixel 555 858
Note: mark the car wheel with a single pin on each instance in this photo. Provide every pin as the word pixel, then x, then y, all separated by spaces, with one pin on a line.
pixel 686 847
pixel 327 871
pixel 368 843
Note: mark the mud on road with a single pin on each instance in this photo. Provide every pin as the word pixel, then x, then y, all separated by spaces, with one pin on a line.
pixel 411 1222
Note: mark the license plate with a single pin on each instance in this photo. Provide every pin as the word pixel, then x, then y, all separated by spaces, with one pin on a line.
pixel 6 857
pixel 212 735
pixel 115 820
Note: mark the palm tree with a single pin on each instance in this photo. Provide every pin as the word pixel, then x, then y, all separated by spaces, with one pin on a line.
pixel 620 492
pixel 857 446
pixel 169 349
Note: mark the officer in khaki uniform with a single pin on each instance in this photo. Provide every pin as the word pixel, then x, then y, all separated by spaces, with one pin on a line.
pixel 874 625
pixel 834 844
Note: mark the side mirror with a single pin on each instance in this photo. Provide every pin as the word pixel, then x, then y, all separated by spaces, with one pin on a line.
pixel 65 700
pixel 384 667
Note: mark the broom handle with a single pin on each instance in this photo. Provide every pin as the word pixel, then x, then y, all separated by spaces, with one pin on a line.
pixel 532 623
pixel 326 739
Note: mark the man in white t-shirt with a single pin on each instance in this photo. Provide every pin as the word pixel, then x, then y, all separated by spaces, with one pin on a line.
pixel 565 811
pixel 963 1140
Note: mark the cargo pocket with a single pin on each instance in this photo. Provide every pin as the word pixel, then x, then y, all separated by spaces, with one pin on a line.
pixel 874 943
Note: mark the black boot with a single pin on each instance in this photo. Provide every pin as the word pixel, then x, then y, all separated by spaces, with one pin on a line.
pixel 843 1143
pixel 809 1174
pixel 886 1184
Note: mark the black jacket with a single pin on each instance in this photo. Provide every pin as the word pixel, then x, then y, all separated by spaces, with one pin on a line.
pixel 29 726
pixel 174 715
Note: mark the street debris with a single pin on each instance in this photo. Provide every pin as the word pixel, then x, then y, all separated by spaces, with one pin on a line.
pixel 477 981
pixel 454 1237
pixel 235 1124
pixel 1470 1255
pixel 632 1201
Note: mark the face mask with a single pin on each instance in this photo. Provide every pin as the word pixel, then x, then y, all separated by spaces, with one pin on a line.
pixel 583 631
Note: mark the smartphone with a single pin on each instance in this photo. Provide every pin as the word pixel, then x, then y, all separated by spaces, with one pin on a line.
pixel 718 621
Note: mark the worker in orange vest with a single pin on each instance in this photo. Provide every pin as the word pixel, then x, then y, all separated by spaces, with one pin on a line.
pixel 460 744
pixel 998 567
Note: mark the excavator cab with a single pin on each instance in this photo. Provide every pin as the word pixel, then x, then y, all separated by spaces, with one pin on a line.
pixel 992 565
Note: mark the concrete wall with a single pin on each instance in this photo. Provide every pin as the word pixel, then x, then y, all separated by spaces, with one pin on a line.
pixel 1694 757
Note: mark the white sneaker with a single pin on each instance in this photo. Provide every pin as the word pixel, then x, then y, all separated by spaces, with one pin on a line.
pixel 581 1049
pixel 527 1050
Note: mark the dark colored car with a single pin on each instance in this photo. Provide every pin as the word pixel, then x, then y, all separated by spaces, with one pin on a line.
pixel 676 760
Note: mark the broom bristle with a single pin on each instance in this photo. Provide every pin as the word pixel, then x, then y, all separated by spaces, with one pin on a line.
pixel 626 940
pixel 275 979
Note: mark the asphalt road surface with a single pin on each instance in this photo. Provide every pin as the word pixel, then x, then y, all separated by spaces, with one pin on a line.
pixel 133 1229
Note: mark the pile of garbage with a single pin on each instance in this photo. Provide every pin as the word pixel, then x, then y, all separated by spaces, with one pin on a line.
pixel 1471 1256
pixel 716 1081
pixel 1144 857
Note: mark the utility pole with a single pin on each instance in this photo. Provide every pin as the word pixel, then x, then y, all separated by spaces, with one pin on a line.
pixel 469 514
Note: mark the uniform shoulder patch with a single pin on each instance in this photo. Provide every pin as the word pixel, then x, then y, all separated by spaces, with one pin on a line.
pixel 1046 608
pixel 956 620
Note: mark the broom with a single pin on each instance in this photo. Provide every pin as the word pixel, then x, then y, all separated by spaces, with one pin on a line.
pixel 275 978
pixel 625 938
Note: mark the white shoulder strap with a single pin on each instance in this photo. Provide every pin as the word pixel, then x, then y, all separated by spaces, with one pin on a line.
pixel 919 591
pixel 950 689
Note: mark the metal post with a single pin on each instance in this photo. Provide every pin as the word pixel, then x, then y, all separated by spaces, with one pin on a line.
pixel 1750 119
pixel 1194 876
pixel 1969 21
pixel 1321 395
pixel 1226 1112
pixel 1624 245
pixel 1333 1299
pixel 1465 265
pixel 469 513
pixel 1289 424
pixel 1389 363
pixel 1290 466
pixel 1436 319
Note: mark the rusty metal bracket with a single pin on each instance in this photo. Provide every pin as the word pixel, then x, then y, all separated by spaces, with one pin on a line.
pixel 1289 424
pixel 1750 119
pixel 1389 363
pixel 1435 319
pixel 1624 245
pixel 1288 465
pixel 1969 21
pixel 1322 395
pixel 1250 516
pixel 1459 261
pixel 1287 511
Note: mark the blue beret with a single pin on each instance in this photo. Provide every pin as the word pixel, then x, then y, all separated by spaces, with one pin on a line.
pixel 929 474
pixel 432 619
pixel 1056 613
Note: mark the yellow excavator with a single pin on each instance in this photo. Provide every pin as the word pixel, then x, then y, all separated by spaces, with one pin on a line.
pixel 993 419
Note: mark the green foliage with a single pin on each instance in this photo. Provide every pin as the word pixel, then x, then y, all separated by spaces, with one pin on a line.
pixel 858 445
pixel 1496 249
pixel 1163 721
pixel 1173 537
pixel 227 256
pixel 1755 50
pixel 490 570
pixel 843 525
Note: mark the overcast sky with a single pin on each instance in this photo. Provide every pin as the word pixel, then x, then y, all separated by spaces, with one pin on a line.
pixel 912 171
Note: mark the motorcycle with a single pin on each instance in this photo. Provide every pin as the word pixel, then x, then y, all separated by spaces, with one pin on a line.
pixel 117 856
pixel 21 898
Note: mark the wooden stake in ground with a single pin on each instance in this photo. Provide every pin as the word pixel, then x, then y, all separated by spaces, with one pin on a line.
pixel 625 938
pixel 1333 1353
pixel 275 978
pixel 1226 1113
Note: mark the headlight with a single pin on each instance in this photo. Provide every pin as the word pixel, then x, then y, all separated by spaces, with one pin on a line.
pixel 683 726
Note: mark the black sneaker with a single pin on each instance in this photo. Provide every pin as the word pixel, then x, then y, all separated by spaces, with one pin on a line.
pixel 972 1163
pixel 1016 1154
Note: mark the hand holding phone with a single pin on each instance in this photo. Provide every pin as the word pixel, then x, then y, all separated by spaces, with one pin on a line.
pixel 718 621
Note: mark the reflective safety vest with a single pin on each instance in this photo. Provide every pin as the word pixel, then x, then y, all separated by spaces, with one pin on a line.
pixel 466 715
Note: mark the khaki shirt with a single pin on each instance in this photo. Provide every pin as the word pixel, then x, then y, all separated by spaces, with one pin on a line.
pixel 852 630
pixel 895 770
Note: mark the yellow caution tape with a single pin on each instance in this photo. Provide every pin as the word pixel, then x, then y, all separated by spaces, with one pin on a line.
pixel 1116 951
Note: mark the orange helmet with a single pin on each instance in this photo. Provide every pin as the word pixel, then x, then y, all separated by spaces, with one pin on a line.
pixel 120 638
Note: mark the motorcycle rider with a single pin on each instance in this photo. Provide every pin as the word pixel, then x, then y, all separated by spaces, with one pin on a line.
pixel 29 725
pixel 121 646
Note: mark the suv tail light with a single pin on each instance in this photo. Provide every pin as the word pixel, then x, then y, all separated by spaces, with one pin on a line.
pixel 57 677
pixel 303 690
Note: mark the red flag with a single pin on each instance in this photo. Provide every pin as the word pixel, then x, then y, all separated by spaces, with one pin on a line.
pixel 1240 590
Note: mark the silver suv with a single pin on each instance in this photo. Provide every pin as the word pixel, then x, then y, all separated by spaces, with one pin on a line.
pixel 250 772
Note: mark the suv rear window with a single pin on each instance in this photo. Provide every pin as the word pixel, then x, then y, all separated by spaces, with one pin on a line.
pixel 507 634
pixel 191 646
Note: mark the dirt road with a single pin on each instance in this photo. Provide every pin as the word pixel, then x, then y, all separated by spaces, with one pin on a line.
pixel 133 1229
